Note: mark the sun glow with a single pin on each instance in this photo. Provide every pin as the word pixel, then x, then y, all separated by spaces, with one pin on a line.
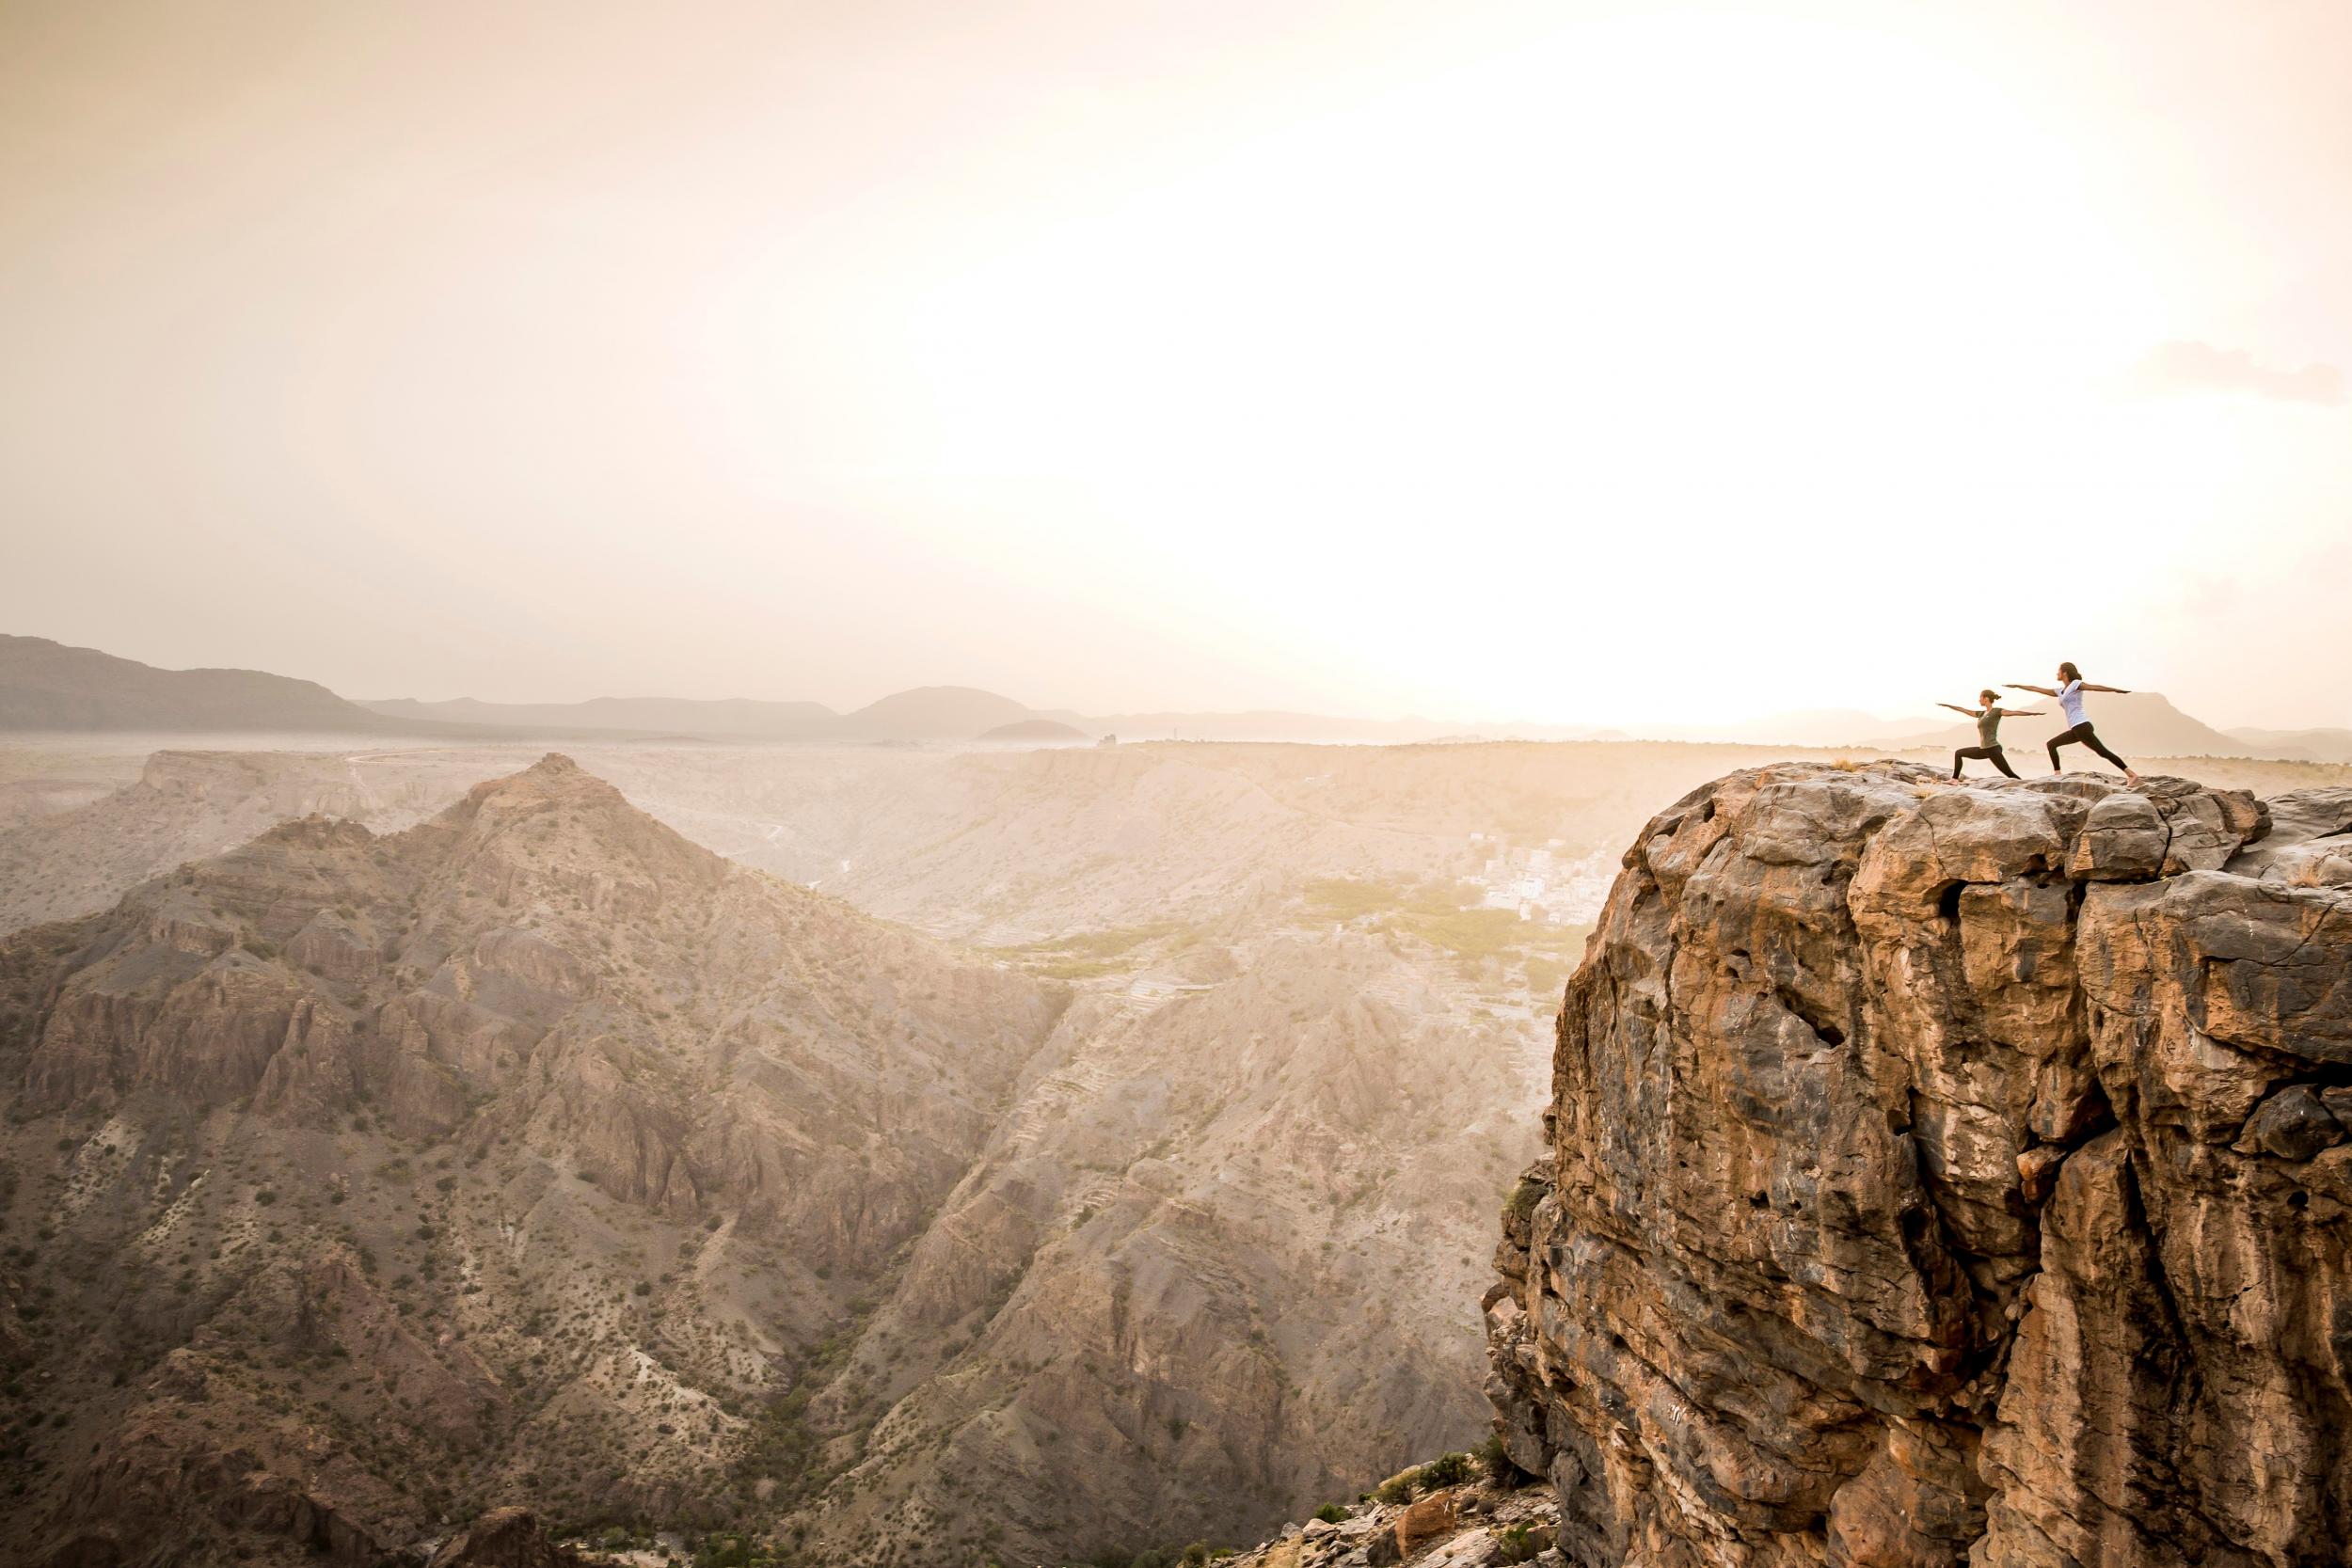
pixel 1581 361
pixel 1655 294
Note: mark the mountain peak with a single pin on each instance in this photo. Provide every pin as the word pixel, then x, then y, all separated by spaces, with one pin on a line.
pixel 554 777
pixel 936 713
pixel 555 821
pixel 557 774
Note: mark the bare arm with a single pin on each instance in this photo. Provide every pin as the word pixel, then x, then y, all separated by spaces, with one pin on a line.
pixel 2119 690
pixel 2021 686
pixel 1972 713
pixel 2023 712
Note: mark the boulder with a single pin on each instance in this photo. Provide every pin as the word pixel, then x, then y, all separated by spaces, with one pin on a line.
pixel 1425 1520
pixel 2310 842
pixel 2292 1124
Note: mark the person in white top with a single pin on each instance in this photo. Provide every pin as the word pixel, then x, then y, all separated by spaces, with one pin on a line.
pixel 2069 693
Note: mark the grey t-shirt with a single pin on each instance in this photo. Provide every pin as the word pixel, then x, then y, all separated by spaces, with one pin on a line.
pixel 1989 727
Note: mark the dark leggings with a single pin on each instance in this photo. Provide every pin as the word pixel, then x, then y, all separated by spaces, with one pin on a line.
pixel 2082 735
pixel 1990 754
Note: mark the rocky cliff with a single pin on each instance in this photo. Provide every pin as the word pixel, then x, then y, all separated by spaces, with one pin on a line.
pixel 1948 1173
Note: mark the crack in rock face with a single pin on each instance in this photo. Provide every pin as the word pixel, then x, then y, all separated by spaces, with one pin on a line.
pixel 1947 1173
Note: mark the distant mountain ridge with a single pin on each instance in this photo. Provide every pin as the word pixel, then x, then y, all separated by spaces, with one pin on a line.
pixel 936 713
pixel 2320 745
pixel 922 713
pixel 2143 724
pixel 940 713
pixel 725 718
pixel 48 686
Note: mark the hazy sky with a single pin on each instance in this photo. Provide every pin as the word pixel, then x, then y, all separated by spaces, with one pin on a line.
pixel 1598 362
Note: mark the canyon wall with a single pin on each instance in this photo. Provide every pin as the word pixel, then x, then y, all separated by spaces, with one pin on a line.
pixel 1948 1173
pixel 352 1183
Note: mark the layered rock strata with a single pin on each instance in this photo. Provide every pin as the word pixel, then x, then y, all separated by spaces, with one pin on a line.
pixel 1948 1173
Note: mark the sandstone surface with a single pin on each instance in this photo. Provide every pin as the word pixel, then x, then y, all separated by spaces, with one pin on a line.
pixel 1947 1173
pixel 1478 1523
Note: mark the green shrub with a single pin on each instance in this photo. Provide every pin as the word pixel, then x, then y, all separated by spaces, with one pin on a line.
pixel 1447 1469
pixel 1330 1513
pixel 1523 1542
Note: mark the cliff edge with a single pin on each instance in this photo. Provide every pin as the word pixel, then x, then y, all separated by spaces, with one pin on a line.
pixel 1947 1173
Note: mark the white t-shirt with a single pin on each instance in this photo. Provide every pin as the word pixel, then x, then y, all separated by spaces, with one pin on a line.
pixel 2070 699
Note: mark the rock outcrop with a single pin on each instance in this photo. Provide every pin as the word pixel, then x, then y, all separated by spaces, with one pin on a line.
pixel 1948 1173
pixel 1462 1523
pixel 503 1538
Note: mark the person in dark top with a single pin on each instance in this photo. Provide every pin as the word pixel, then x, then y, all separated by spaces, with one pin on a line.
pixel 1988 718
pixel 2069 693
